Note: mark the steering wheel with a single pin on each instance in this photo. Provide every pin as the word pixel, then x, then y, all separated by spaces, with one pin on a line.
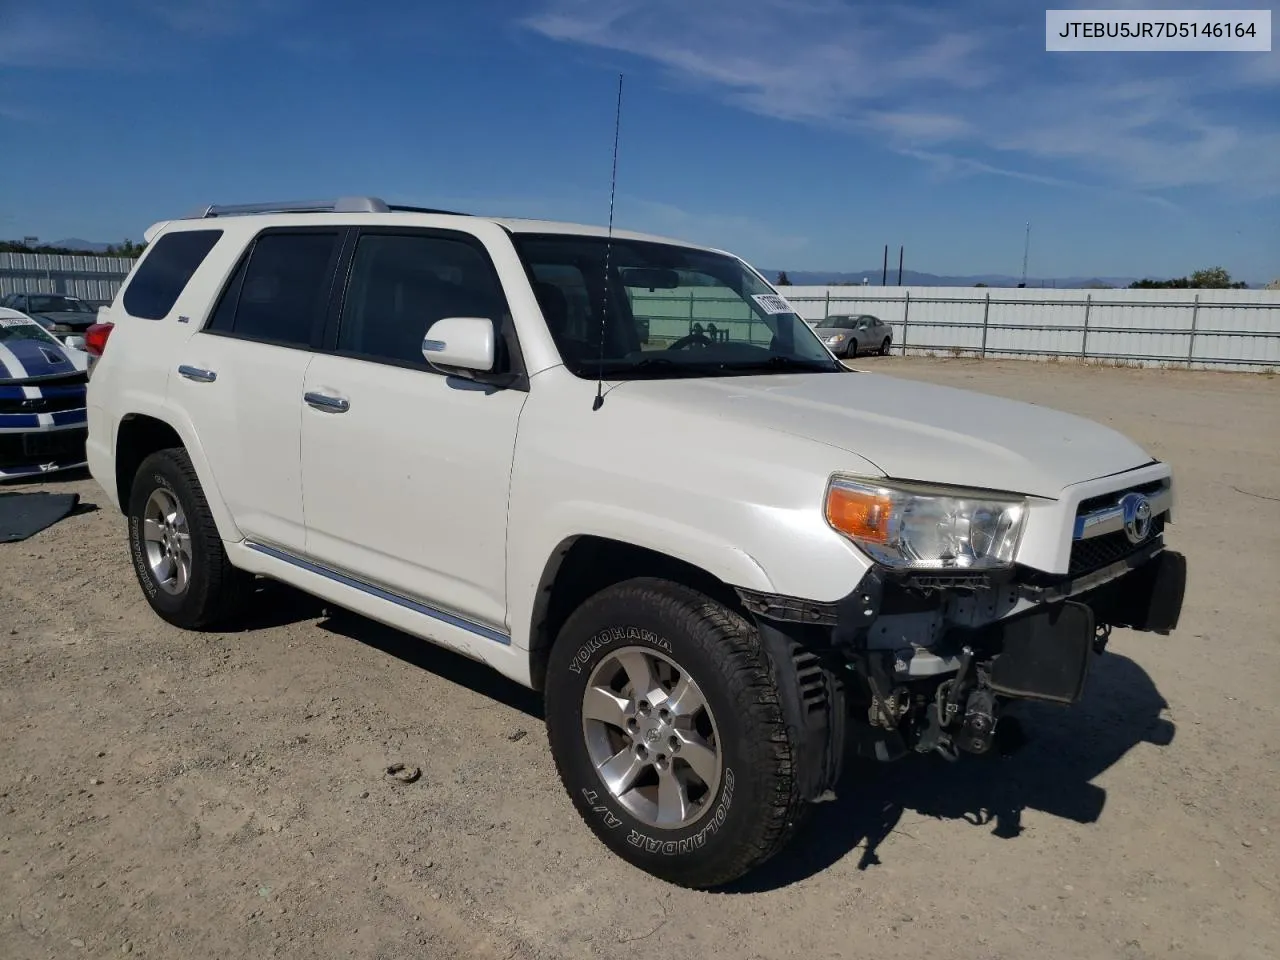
pixel 701 339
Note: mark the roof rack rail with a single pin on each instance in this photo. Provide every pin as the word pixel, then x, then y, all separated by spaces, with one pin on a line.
pixel 340 205
pixel 404 208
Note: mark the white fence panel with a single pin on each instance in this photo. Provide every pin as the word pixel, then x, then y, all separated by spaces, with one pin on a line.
pixel 1225 329
pixel 92 278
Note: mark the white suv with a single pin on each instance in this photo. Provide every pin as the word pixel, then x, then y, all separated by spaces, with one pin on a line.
pixel 622 471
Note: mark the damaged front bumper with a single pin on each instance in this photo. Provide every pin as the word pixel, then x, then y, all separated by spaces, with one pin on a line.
pixel 924 663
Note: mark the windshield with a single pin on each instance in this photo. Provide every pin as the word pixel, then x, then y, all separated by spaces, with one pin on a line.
pixel 838 323
pixel 672 311
pixel 56 304
pixel 20 328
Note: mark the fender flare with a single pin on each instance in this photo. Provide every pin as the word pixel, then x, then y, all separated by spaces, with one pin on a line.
pixel 142 405
pixel 531 574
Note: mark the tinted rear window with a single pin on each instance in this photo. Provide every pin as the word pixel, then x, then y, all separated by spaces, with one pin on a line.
pixel 165 271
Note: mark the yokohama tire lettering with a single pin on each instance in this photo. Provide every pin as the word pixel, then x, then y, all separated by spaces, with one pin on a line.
pixel 135 541
pixel 135 545
pixel 606 637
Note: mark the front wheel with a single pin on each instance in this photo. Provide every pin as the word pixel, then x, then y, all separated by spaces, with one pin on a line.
pixel 174 544
pixel 664 721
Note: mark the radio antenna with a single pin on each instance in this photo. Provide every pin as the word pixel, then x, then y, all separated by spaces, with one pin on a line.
pixel 608 249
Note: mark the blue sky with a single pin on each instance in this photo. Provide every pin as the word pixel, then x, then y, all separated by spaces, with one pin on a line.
pixel 802 134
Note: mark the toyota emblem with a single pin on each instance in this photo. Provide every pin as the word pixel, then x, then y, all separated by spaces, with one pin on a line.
pixel 1136 510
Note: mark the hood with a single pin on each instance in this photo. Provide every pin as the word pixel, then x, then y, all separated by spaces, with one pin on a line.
pixel 31 358
pixel 912 430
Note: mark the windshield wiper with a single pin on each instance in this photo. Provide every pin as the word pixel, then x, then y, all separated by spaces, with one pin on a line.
pixel 658 366
pixel 783 363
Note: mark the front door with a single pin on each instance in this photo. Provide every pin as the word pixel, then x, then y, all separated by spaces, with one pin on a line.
pixel 406 472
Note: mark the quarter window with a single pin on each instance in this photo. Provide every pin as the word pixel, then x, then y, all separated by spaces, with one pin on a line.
pixel 165 270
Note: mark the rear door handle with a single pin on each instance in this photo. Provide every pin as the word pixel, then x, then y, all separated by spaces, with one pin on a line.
pixel 197 374
pixel 322 401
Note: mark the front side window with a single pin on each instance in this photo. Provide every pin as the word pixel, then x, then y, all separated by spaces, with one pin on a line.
pixel 401 284
pixel 165 270
pixel 279 294
pixel 663 311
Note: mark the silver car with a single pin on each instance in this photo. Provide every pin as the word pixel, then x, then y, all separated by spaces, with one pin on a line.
pixel 847 335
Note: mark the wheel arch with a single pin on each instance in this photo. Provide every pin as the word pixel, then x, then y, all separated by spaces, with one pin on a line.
pixel 141 434
pixel 584 564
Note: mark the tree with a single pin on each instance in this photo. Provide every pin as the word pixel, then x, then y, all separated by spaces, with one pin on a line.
pixel 1211 278
pixel 126 249
pixel 1274 285
pixel 783 279
pixel 979 284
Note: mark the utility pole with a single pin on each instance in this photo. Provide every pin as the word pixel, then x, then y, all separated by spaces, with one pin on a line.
pixel 1026 250
pixel 900 252
pixel 884 271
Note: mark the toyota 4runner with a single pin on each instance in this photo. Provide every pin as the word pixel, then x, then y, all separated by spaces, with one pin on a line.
pixel 622 471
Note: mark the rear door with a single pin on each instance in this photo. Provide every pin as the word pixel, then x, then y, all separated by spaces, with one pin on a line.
pixel 240 377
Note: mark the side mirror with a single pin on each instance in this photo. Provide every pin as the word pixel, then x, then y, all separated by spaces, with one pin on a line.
pixel 461 346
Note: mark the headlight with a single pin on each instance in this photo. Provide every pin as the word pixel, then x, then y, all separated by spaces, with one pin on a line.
pixel 924 528
pixel 836 339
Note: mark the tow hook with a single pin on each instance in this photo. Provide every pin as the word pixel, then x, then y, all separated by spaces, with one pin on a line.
pixel 979 721
pixel 977 726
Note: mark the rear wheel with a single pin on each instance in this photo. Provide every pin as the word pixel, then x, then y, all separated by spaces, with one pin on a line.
pixel 884 347
pixel 665 725
pixel 174 544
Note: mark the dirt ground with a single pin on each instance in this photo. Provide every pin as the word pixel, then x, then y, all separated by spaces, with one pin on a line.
pixel 181 795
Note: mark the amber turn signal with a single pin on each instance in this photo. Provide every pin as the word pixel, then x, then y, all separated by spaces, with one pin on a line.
pixel 862 514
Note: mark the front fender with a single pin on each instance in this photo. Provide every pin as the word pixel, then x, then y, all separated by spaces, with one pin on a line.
pixel 566 522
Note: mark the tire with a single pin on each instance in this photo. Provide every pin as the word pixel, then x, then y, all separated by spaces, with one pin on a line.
pixel 738 811
pixel 884 347
pixel 212 590
pixel 851 351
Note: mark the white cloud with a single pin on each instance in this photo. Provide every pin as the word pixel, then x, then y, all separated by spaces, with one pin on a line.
pixel 978 83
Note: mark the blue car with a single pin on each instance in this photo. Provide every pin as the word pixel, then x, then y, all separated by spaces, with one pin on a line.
pixel 42 399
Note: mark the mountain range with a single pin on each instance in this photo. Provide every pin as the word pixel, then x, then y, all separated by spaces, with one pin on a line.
pixel 75 243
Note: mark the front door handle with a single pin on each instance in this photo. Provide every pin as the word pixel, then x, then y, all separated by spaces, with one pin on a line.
pixel 328 404
pixel 197 374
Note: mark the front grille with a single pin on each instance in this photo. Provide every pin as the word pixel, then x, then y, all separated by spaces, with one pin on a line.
pixel 1097 552
pixel 24 449
pixel 1108 499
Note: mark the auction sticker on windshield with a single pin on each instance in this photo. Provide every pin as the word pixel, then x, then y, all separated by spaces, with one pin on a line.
pixel 771 303
pixel 17 322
